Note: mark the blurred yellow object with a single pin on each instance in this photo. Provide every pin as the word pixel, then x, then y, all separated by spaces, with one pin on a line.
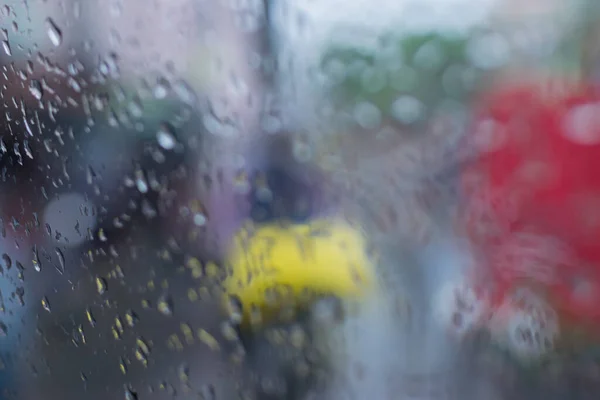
pixel 274 267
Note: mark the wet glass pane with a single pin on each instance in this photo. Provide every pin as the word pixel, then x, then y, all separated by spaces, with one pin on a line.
pixel 286 199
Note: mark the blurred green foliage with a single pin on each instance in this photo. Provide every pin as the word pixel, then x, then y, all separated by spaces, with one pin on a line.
pixel 430 68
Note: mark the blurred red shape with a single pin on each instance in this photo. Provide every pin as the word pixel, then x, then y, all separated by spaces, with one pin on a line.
pixel 532 192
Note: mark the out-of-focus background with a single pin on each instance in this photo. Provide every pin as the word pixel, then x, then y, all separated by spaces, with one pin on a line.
pixel 127 128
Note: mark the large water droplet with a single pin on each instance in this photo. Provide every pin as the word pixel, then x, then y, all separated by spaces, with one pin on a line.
pixel 54 33
pixel 7 261
pixel 142 351
pixel 165 137
pixel 407 109
pixel 35 88
pixel 101 285
pixel 61 260
pixel 37 264
pixel 185 92
pixel 46 304
pixel 130 394
pixel 90 317
pixel 580 124
pixel 161 88
pixel 367 115
pixel 6 47
pixel 131 318
pixel 234 309
pixel 140 181
pixel 165 305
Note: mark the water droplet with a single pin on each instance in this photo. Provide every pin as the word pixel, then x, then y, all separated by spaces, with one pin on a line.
pixel 35 88
pixel 367 115
pixel 165 305
pixel 208 340
pixel 580 124
pixel 188 333
pixel 407 109
pixel 131 318
pixel 184 373
pixel 165 137
pixel 90 317
pixel 74 84
pixel 118 329
pixel 61 260
pixel 185 92
pixel 161 88
pixel 80 334
pixel 130 394
pixel 135 107
pixel 46 304
pixel 140 181
pixel 148 210
pixel 27 149
pixel 101 285
pixel 6 47
pixel 142 351
pixel 207 392
pixel 54 33
pixel 109 66
pixel 199 219
pixel 7 261
pixel 123 366
pixel 90 175
pixel 228 331
pixel 37 264
pixel 234 309
pixel 489 51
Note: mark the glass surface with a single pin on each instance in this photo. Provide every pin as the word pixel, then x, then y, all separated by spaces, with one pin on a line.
pixel 143 140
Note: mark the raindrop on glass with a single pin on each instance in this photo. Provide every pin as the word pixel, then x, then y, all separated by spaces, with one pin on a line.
pixel 46 304
pixel 101 285
pixel 54 32
pixel 165 137
pixel 35 88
